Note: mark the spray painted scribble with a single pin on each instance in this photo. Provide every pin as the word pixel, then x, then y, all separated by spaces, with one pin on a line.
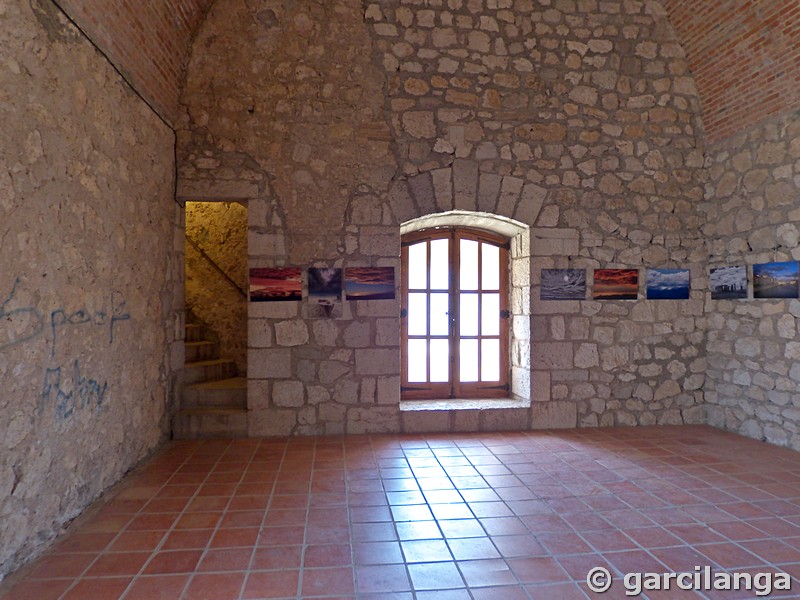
pixel 22 324
pixel 71 394
pixel 18 325
pixel 67 389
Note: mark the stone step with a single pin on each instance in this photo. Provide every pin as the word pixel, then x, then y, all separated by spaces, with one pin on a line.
pixel 195 423
pixel 208 370
pixel 224 393
pixel 200 351
pixel 194 332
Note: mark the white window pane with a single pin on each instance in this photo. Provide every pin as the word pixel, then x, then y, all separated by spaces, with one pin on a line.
pixel 417 314
pixel 440 314
pixel 490 314
pixel 468 316
pixel 469 265
pixel 440 361
pixel 417 361
pixel 440 265
pixel 418 266
pixel 490 360
pixel 468 357
pixel 490 267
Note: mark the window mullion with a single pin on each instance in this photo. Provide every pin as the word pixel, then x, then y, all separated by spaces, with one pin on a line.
pixel 455 334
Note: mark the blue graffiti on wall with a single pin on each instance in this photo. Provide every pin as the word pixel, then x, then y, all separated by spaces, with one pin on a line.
pixel 62 318
pixel 84 392
pixel 67 388
pixel 8 315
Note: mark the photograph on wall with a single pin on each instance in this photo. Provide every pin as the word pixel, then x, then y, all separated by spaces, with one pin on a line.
pixel 775 280
pixel 369 283
pixel 616 284
pixel 324 292
pixel 278 284
pixel 563 284
pixel 667 284
pixel 729 283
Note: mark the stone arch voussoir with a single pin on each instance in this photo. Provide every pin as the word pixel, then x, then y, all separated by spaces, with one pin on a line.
pixel 463 187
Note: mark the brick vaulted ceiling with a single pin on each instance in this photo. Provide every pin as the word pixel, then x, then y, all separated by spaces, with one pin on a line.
pixel 745 58
pixel 744 54
pixel 147 40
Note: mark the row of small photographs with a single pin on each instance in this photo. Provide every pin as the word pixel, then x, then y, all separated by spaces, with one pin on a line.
pixel 285 284
pixel 770 280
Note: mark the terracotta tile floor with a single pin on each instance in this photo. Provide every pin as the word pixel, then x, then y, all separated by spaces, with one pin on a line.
pixel 483 516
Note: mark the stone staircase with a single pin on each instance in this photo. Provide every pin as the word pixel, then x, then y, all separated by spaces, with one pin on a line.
pixel 214 403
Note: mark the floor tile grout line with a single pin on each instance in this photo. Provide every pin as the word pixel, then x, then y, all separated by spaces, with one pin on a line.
pixel 172 528
pixel 194 496
pixel 118 534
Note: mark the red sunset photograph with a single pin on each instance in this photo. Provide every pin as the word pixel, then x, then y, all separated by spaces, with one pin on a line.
pixel 276 284
pixel 616 284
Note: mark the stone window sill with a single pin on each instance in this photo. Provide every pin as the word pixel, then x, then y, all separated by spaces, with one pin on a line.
pixel 456 404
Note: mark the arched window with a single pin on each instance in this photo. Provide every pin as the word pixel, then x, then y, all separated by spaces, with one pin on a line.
pixel 455 314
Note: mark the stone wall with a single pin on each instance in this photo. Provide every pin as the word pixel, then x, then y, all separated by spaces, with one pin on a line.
pixel 219 230
pixel 90 277
pixel 752 215
pixel 342 120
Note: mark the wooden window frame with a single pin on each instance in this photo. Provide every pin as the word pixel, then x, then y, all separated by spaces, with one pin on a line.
pixel 454 388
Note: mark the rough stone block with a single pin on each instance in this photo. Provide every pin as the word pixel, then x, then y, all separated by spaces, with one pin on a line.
pixel 258 394
pixel 269 364
pixel 259 333
pixel 388 390
pixel 421 187
pixel 509 195
pixel 425 421
pixel 530 203
pixel 206 190
pixel 266 244
pixel 346 391
pixel 358 334
pixel 552 355
pixel 378 308
pixel 443 188
pixel 387 332
pixel 330 371
pixel 373 420
pixel 465 184
pixel 466 420
pixel 554 415
pixel 291 333
pixel 521 382
pixel 488 191
pixel 377 361
pixel 540 386
pixel 505 419
pixel 401 202
pixel 288 393
pixel 273 310
pixel 272 422
pixel 326 332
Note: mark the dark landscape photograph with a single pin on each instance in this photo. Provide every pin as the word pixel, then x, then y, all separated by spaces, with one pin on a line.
pixel 667 284
pixel 729 283
pixel 775 280
pixel 563 284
